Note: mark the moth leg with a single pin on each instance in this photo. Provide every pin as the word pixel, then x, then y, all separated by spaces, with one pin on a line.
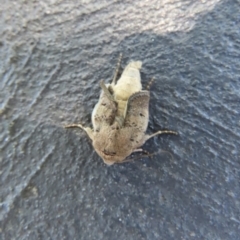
pixel 106 91
pixel 117 69
pixel 147 137
pixel 136 157
pixel 87 129
pixel 143 151
pixel 138 150
pixel 150 83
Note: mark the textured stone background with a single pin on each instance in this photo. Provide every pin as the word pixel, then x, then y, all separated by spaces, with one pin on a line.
pixel 54 186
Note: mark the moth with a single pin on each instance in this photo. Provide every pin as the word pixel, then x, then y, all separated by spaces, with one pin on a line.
pixel 120 118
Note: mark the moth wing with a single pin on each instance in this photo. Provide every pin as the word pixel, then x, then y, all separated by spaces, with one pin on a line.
pixel 137 111
pixel 104 111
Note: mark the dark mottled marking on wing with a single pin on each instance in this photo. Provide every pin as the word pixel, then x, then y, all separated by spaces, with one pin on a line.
pixel 137 111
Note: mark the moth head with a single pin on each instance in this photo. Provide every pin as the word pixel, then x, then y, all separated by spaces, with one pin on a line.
pixel 111 145
pixel 111 154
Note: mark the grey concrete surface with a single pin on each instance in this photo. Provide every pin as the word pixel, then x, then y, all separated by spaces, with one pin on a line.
pixel 53 184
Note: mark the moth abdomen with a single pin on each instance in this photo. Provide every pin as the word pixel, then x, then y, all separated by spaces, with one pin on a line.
pixel 129 82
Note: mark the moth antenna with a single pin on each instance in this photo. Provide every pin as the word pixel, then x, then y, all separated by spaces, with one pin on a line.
pixel 150 83
pixel 117 69
pixel 74 126
pixel 106 91
pixel 161 132
pixel 86 129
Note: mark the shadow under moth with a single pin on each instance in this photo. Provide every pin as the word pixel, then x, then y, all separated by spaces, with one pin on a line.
pixel 120 118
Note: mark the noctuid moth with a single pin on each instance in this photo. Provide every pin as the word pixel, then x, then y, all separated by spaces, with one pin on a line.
pixel 120 118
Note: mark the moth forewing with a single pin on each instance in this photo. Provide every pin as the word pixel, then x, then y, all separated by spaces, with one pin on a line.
pixel 137 111
pixel 104 111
